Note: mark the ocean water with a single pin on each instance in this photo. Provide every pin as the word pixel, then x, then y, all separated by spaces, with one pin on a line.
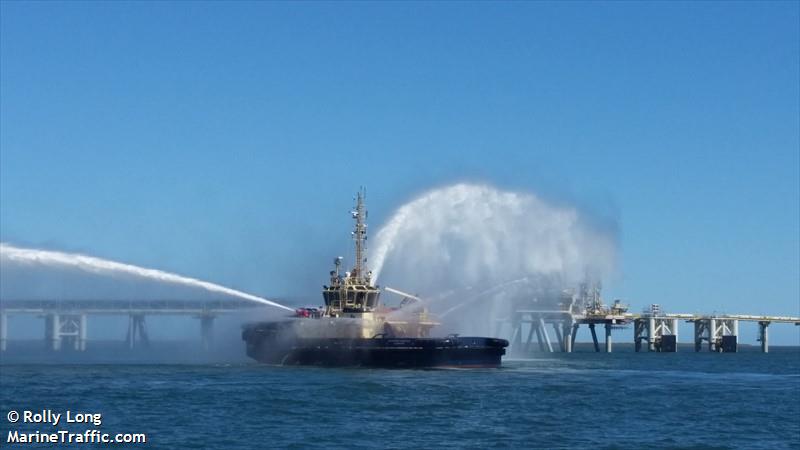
pixel 622 400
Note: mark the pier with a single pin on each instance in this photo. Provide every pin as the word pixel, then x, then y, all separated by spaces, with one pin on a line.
pixel 653 329
pixel 66 322
pixel 651 332
pixel 655 333
pixel 720 333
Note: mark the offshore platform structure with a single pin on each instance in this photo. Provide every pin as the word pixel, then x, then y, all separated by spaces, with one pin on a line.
pixel 564 311
pixel 653 330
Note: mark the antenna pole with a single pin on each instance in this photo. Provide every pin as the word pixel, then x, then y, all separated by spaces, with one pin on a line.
pixel 360 234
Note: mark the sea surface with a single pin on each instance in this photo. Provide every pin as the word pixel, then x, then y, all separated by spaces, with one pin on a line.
pixel 622 400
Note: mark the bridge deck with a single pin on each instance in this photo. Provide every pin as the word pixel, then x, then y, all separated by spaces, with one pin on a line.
pixel 741 317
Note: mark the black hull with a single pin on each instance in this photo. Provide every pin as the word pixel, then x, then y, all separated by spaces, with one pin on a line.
pixel 377 352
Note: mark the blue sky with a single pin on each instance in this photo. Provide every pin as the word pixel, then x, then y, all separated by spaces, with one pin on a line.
pixel 225 140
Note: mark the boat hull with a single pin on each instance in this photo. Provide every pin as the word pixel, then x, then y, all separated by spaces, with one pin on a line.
pixel 386 352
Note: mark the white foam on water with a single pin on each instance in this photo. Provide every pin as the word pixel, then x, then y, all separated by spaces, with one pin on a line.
pixel 17 255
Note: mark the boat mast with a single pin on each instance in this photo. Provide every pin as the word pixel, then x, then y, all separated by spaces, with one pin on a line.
pixel 360 235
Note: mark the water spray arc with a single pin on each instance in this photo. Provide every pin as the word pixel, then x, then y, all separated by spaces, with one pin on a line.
pixel 477 248
pixel 483 294
pixel 96 265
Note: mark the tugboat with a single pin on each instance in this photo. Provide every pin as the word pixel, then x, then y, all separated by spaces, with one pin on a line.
pixel 355 329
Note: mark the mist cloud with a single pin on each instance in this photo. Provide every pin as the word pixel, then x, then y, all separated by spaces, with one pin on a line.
pixel 455 242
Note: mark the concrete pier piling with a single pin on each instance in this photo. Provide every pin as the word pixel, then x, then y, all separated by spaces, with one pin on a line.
pixel 698 335
pixel 82 336
pixel 575 327
pixel 53 330
pixel 569 330
pixel 137 333
pixel 659 331
pixel 543 329
pixel 539 337
pixel 559 336
pixel 763 335
pixel 651 334
pixel 674 329
pixel 720 332
pixel 594 337
pixel 131 336
pixel 712 334
pixel 207 331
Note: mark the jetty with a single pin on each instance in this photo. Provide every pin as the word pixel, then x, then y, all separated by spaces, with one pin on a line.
pixel 66 321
